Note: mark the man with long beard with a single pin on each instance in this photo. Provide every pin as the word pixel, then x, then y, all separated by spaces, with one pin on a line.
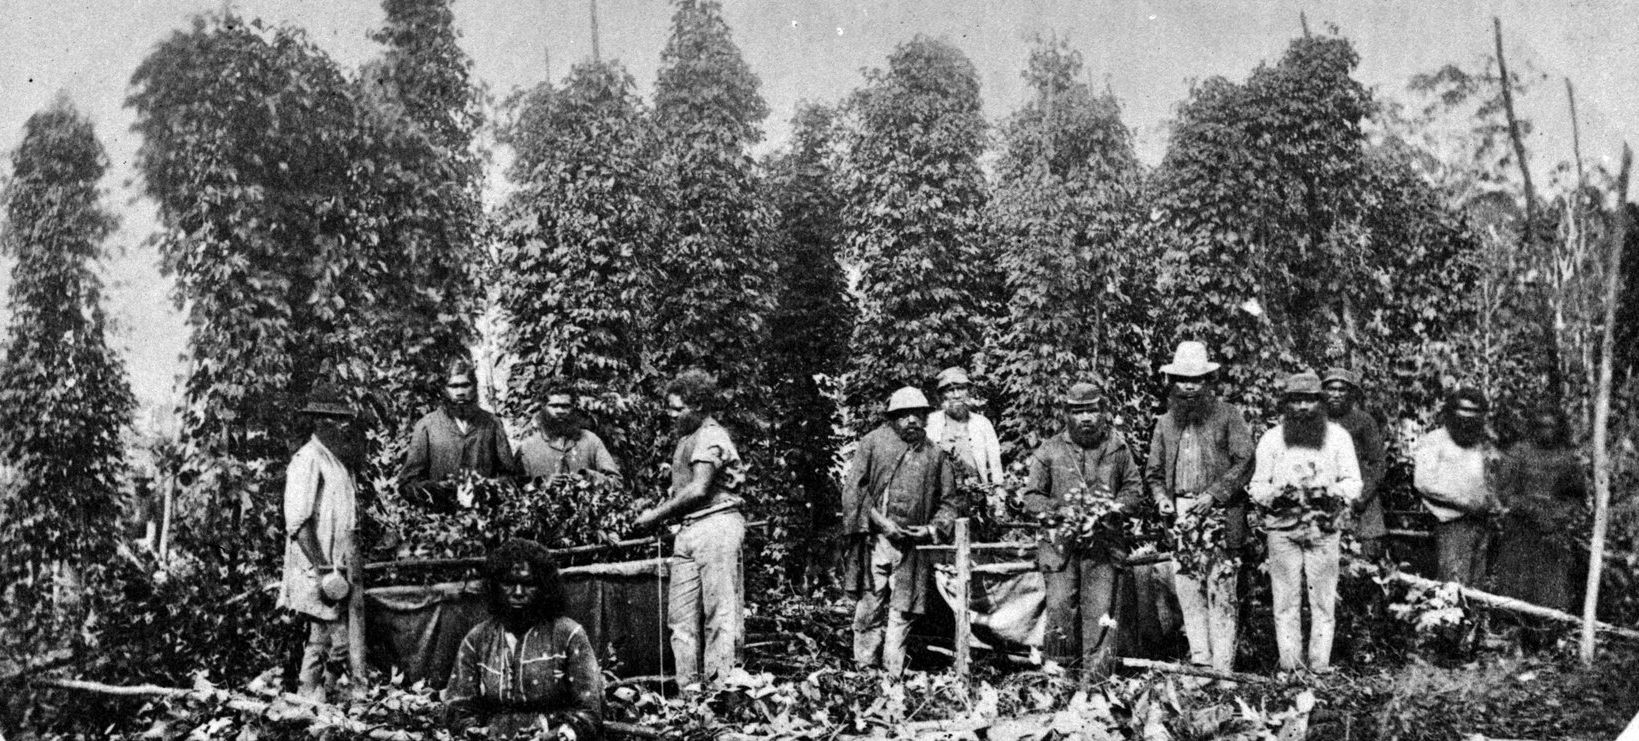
pixel 705 606
pixel 1082 579
pixel 1304 457
pixel 900 491
pixel 457 436
pixel 1449 471
pixel 559 445
pixel 1200 460
pixel 1342 389
pixel 529 668
pixel 964 433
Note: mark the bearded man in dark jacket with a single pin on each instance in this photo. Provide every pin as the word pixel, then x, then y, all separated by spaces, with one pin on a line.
pixel 559 444
pixel 1200 460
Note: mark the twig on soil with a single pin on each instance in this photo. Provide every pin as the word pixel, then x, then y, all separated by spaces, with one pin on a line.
pixel 1195 671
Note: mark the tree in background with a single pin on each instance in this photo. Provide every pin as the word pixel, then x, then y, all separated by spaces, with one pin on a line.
pixel 712 305
pixel 64 397
pixel 914 207
pixel 1068 213
pixel 808 352
pixel 577 239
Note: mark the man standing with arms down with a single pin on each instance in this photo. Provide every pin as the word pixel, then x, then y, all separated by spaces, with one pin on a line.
pixel 559 445
pixel 1081 578
pixel 1449 471
pixel 320 513
pixel 1303 459
pixel 900 492
pixel 457 436
pixel 1199 462
pixel 706 603
pixel 965 434
pixel 1342 389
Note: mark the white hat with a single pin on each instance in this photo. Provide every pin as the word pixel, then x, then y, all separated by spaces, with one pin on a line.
pixel 908 398
pixel 1189 361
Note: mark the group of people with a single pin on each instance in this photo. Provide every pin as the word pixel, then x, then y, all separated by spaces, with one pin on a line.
pixel 1313 474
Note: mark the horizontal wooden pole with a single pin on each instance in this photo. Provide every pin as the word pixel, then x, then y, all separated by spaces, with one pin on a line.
pixel 1194 671
pixel 579 550
pixel 1512 605
pixel 233 700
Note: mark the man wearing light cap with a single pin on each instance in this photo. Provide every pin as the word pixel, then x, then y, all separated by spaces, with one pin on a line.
pixel 320 513
pixel 1301 462
pixel 1200 459
pixel 965 434
pixel 900 492
pixel 1342 389
pixel 1081 581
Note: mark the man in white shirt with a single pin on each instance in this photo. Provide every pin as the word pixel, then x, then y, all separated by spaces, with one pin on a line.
pixel 965 434
pixel 1305 475
pixel 1449 471
pixel 320 513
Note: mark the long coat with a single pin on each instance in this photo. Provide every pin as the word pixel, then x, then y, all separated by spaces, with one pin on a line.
pixel 438 449
pixel 926 477
pixel 1543 491
pixel 1228 450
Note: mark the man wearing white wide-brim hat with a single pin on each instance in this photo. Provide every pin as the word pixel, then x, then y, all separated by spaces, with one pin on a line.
pixel 900 492
pixel 1199 462
pixel 320 513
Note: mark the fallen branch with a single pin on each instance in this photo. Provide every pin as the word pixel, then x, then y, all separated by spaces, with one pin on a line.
pixel 232 700
pixel 52 660
pixel 1510 604
pixel 1195 671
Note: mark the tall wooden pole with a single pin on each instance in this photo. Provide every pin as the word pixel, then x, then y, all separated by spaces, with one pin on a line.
pixel 1602 412
pixel 593 9
pixel 964 618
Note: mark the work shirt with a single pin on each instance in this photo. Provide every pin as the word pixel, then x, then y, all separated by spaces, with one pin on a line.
pixel 912 485
pixel 1368 449
pixel 984 452
pixel 440 449
pixel 1451 479
pixel 709 443
pixel 1332 467
pixel 510 683
pixel 1060 465
pixel 1217 463
pixel 543 456
pixel 318 489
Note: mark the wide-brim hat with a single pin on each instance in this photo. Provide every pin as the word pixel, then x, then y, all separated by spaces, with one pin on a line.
pixel 908 399
pixel 1301 384
pixel 950 377
pixel 1081 395
pixel 1189 361
pixel 327 401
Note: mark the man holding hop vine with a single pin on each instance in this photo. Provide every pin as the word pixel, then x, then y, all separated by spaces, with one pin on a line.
pixel 1082 472
pixel 1305 474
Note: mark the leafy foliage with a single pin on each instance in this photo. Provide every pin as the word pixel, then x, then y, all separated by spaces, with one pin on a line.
pixel 1068 210
pixel 64 397
pixel 583 510
pixel 914 196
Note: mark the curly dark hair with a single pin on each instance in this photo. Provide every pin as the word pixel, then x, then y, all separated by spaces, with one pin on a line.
pixel 462 366
pixel 696 387
pixel 559 388
pixel 1469 394
pixel 519 551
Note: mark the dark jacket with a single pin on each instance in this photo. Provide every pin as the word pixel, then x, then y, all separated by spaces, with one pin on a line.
pixel 552 673
pixel 1369 452
pixel 544 457
pixel 911 485
pixel 438 449
pixel 1058 466
pixel 1228 449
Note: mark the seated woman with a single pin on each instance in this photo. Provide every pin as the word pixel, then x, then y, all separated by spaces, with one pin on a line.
pixel 527 667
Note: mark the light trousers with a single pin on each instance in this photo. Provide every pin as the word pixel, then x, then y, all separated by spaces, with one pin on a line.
pixel 881 632
pixel 705 607
pixel 1211 614
pixel 1303 560
pixel 324 657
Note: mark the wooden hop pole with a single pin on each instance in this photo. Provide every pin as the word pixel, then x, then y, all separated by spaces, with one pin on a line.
pixel 964 617
pixel 1602 412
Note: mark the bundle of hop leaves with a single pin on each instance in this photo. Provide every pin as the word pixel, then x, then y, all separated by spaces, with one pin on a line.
pixel 1200 541
pixel 1087 515
pixel 576 510
pixel 1312 505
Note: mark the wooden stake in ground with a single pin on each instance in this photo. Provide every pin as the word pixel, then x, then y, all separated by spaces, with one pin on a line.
pixel 964 617
pixel 1602 412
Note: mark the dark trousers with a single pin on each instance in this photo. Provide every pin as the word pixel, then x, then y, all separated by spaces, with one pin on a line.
pixel 1462 544
pixel 1081 620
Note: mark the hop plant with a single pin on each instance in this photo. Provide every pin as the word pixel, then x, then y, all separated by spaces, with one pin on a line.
pixel 1087 515
pixel 1200 542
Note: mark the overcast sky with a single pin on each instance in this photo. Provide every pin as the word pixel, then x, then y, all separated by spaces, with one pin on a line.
pixel 1146 52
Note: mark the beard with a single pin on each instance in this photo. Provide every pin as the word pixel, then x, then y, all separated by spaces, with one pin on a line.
pixel 1191 410
pixel 520 619
pixel 565 427
pixel 911 434
pixel 686 423
pixel 1304 430
pixel 1340 409
pixel 1466 432
pixel 1088 436
pixel 957 409
pixel 462 410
